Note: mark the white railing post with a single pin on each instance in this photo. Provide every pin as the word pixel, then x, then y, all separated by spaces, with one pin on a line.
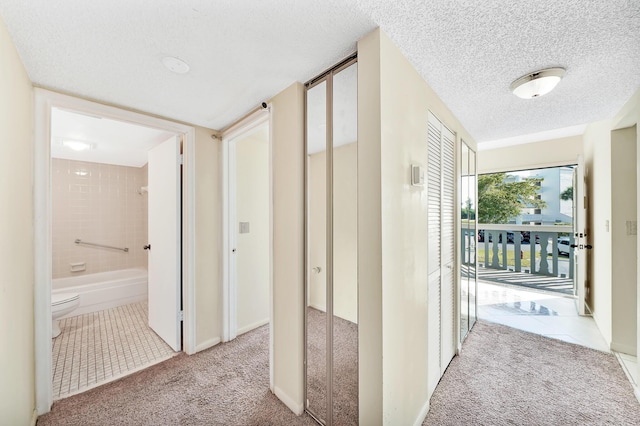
pixel 517 237
pixel 496 248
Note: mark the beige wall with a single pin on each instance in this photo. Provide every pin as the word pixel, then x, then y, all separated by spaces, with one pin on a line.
pixel 554 152
pixel 606 147
pixel 252 205
pixel 623 250
pixel 17 368
pixel 345 231
pixel 597 158
pixel 392 237
pixel 370 328
pixel 98 203
pixel 317 230
pixel 288 245
pixel 208 235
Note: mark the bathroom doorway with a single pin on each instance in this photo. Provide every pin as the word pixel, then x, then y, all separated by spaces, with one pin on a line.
pixel 102 163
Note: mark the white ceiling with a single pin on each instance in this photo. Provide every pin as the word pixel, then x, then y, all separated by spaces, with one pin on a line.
pixel 113 142
pixel 244 52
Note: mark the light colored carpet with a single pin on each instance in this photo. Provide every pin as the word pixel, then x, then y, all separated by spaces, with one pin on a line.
pixel 345 368
pixel 506 376
pixel 503 377
pixel 224 385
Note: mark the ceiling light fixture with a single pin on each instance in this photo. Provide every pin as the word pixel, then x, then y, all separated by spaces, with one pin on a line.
pixel 77 145
pixel 537 83
pixel 175 65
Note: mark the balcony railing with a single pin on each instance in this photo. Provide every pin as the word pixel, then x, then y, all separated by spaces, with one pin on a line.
pixel 531 249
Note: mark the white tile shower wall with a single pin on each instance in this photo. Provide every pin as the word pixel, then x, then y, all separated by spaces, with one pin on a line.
pixel 97 203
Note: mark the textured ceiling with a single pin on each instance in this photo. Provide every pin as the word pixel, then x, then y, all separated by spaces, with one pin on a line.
pixel 244 52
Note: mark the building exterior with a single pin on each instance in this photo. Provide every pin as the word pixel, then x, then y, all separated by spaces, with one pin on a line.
pixel 554 182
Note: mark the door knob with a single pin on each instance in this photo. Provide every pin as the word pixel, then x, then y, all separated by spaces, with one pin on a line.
pixel 147 247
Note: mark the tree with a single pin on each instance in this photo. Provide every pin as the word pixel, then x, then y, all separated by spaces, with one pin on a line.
pixel 501 199
pixel 467 210
pixel 567 194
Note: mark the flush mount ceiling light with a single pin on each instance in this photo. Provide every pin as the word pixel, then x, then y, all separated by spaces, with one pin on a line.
pixel 537 83
pixel 77 145
pixel 175 65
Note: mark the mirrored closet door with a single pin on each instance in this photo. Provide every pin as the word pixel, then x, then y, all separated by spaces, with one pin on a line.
pixel 468 234
pixel 331 352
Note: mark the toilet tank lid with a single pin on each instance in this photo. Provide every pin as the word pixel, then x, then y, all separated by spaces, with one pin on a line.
pixel 59 298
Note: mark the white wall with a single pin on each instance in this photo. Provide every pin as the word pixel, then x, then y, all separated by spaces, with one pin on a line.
pixel 288 245
pixel 252 205
pixel 345 231
pixel 17 368
pixel 624 248
pixel 393 103
pixel 554 152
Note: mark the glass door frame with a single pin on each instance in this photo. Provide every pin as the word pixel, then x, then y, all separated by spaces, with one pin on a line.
pixel 470 252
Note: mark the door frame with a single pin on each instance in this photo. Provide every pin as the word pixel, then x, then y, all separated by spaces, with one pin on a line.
pixel 229 136
pixel 45 100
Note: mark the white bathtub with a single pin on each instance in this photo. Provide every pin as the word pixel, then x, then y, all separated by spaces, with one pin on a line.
pixel 104 290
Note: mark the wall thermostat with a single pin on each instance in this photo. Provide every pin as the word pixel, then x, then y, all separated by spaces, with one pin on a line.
pixel 417 175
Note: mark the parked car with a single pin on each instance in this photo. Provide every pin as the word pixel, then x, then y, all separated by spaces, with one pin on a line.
pixel 481 237
pixel 526 238
pixel 564 246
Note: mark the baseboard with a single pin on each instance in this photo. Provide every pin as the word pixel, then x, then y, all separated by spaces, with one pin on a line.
pixel 423 414
pixel 253 326
pixel 207 344
pixel 34 417
pixel 625 349
pixel 288 401
pixel 636 391
pixel 596 319
pixel 318 307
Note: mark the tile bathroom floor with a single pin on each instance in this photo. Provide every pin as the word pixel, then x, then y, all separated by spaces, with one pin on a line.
pixel 103 346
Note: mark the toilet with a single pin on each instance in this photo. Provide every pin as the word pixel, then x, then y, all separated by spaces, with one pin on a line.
pixel 62 304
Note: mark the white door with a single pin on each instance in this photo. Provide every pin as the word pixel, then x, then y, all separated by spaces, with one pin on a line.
pixel 580 236
pixel 165 242
pixel 441 234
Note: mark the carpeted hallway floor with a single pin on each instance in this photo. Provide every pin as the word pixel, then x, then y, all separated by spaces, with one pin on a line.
pixel 506 376
pixel 503 377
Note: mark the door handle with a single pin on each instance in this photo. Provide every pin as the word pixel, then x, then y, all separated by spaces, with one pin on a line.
pixel 147 247
pixel 573 246
pixel 588 246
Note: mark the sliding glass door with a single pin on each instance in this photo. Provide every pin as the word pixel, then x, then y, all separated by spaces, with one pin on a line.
pixel 468 234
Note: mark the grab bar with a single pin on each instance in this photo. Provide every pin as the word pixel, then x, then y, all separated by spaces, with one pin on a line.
pixel 79 241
